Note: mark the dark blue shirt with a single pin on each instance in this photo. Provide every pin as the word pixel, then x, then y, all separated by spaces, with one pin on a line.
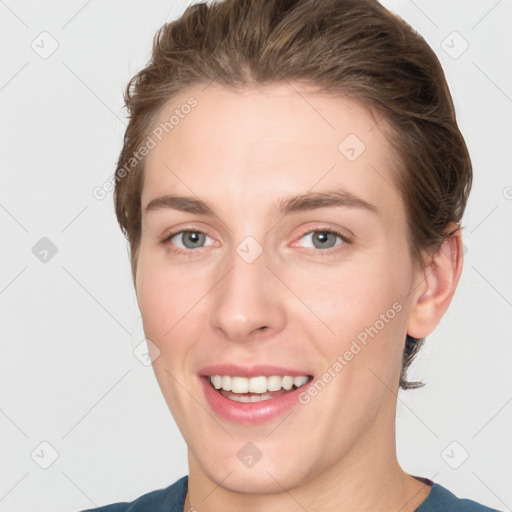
pixel 172 499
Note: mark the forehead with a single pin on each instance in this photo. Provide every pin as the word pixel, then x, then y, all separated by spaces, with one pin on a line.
pixel 259 143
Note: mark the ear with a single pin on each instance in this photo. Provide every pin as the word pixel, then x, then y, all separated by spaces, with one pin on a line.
pixel 437 283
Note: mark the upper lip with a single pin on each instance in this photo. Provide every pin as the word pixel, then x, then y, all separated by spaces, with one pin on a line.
pixel 250 371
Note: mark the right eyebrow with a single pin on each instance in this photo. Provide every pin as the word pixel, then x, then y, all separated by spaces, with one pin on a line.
pixel 181 203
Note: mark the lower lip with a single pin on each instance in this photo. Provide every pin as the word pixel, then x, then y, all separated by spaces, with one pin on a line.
pixel 250 412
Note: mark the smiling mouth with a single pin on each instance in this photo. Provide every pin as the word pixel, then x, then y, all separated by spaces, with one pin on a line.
pixel 256 389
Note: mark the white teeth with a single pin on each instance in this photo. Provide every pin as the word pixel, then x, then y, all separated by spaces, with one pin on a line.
pixel 216 381
pixel 247 399
pixel 239 385
pixel 300 381
pixel 260 384
pixel 274 383
pixel 288 382
pixel 226 383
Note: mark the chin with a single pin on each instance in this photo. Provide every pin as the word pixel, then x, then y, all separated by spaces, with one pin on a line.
pixel 267 476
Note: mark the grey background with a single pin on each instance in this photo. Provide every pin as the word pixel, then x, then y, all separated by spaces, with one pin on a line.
pixel 69 320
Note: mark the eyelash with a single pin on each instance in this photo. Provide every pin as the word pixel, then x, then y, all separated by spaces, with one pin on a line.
pixel 320 252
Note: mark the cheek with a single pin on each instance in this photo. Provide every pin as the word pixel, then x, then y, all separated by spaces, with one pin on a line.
pixel 365 308
pixel 156 302
pixel 166 296
pixel 362 305
pixel 169 304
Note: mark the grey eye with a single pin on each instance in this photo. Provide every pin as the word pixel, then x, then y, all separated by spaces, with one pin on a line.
pixel 324 239
pixel 189 239
pixel 321 239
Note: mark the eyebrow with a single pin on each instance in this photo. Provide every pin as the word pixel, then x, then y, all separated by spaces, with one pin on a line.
pixel 328 199
pixel 297 203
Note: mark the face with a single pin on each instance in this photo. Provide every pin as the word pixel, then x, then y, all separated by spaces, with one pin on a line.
pixel 274 255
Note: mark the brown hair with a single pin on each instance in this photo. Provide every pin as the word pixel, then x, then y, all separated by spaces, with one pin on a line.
pixel 351 48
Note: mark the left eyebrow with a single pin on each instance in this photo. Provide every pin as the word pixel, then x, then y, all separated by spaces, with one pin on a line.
pixel 328 199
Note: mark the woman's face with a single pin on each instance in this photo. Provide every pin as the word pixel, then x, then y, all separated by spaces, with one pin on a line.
pixel 274 245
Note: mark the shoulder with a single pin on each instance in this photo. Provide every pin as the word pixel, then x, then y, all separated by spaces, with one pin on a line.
pixel 170 499
pixel 441 499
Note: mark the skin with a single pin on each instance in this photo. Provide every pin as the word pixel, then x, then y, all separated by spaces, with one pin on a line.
pixel 295 306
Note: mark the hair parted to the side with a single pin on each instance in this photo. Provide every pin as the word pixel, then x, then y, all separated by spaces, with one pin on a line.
pixel 350 48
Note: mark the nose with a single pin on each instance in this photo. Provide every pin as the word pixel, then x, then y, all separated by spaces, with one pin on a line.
pixel 246 302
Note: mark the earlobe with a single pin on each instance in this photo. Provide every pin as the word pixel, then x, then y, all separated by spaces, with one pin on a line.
pixel 437 284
